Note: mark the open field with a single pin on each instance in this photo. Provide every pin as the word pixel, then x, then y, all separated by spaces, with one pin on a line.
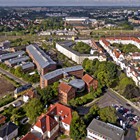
pixel 5 86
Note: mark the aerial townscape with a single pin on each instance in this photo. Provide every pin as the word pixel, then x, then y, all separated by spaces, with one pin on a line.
pixel 69 70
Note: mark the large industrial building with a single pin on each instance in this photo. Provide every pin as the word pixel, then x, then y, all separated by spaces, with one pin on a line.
pixel 43 62
pixel 58 74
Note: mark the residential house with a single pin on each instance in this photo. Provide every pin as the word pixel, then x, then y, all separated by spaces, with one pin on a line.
pixel 31 93
pixel 8 131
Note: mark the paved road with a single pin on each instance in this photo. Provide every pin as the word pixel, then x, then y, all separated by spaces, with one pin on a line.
pixel 2 108
pixel 12 76
pixel 123 101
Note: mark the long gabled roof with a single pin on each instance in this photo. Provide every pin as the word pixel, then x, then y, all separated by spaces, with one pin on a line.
pixel 58 72
pixel 40 56
pixel 107 130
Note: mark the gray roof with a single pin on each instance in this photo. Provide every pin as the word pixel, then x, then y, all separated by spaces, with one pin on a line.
pixel 110 131
pixel 67 43
pixel 7 129
pixel 27 65
pixel 77 83
pixel 18 59
pixel 57 72
pixel 40 56
pixel 11 55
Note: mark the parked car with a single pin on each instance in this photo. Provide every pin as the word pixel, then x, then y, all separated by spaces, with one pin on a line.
pixel 24 120
pixel 18 103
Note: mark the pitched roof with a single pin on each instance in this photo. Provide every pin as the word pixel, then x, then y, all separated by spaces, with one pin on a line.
pixel 64 87
pixel 87 78
pixel 31 93
pixel 7 129
pixel 48 121
pixel 30 136
pixel 117 54
pixel 40 56
pixel 41 122
pixel 63 111
pixel 107 130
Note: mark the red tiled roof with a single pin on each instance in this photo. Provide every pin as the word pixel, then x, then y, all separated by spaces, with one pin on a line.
pixel 94 45
pixel 65 87
pixel 117 54
pixel 41 122
pixel 124 38
pixel 47 121
pixel 31 93
pixel 50 122
pixel 87 78
pixel 105 42
pixel 63 111
pixel 30 136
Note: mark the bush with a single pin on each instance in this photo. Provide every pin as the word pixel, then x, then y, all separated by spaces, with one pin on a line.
pixel 6 100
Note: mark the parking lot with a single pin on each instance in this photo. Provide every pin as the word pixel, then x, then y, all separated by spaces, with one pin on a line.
pixel 126 116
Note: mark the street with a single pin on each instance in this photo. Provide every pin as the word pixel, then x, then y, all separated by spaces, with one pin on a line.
pixel 18 80
pixel 3 107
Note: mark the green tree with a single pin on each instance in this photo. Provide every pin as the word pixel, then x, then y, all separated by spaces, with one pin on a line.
pixel 18 71
pixel 138 133
pixel 77 127
pixel 93 112
pixel 33 109
pixel 48 93
pixel 108 114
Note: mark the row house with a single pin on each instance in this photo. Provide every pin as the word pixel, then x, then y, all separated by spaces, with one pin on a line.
pixel 120 58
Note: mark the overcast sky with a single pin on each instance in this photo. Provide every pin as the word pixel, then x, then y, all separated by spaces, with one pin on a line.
pixel 68 2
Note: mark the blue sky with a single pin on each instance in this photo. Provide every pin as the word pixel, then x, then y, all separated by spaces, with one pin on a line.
pixel 68 2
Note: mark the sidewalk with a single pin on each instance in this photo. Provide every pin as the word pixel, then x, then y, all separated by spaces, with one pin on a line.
pixel 91 103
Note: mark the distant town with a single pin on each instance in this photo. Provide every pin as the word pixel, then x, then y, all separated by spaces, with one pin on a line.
pixel 69 73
